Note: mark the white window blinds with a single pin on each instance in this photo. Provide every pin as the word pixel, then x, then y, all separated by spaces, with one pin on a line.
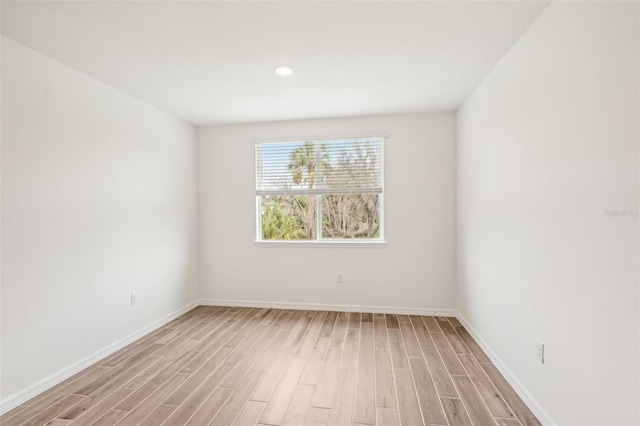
pixel 330 166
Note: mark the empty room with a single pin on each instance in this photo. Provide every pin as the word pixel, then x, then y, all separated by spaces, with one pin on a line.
pixel 341 213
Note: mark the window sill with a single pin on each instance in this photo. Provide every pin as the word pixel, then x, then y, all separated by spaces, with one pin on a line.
pixel 324 243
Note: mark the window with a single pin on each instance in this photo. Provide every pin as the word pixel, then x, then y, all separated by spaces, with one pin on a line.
pixel 327 190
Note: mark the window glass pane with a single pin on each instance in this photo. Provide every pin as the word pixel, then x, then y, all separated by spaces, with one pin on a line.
pixel 351 216
pixel 290 217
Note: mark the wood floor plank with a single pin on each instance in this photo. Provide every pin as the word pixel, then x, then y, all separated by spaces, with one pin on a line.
pixel 54 409
pixel 272 377
pixel 277 405
pixel 58 422
pixel 114 372
pixel 200 376
pixel 103 392
pixel 339 331
pixel 293 320
pixel 398 352
pixel 477 410
pixel 58 392
pixel 12 412
pixel 158 416
pixel 208 351
pixel 214 321
pixel 454 339
pixel 179 341
pixel 403 318
pixel 250 414
pixel 282 319
pixel 365 349
pixel 350 352
pixel 177 332
pixel 237 400
pixel 432 324
pixel 364 410
pixel 270 317
pixel 455 412
pixel 299 330
pixel 110 418
pixel 246 316
pixel 275 346
pixel 472 345
pixel 342 405
pixel 432 412
pixel 410 340
pixel 91 415
pixel 245 364
pixel 141 406
pixel 126 353
pixel 316 362
pixel 392 321
pixel 317 416
pixel 245 336
pixel 211 407
pixel 439 373
pixel 305 349
pixel 454 322
pixel 385 386
pixel 328 381
pixel 139 379
pixel 422 333
pixel 156 381
pixel 264 312
pixel 367 317
pixel 328 324
pixel 296 411
pixel 507 422
pixel 354 320
pixel 408 406
pixel 518 407
pixel 275 327
pixel 194 401
pixel 490 395
pixel 380 334
pixel 217 330
pixel 387 416
pixel 448 355
pixel 314 367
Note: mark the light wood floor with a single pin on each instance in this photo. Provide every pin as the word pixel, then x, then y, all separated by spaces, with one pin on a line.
pixel 244 366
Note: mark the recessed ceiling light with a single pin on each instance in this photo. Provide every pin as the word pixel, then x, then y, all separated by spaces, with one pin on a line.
pixel 284 70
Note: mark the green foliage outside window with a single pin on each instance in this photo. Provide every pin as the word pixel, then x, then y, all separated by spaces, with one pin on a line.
pixel 294 217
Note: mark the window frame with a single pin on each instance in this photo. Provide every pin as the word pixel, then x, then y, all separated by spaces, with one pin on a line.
pixel 379 242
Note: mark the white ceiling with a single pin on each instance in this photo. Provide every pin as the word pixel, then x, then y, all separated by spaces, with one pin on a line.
pixel 212 62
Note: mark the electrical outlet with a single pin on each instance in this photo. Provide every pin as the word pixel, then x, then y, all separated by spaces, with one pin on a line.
pixel 339 279
pixel 540 351
pixel 134 298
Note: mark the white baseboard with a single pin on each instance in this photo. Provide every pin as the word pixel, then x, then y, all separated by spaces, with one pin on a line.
pixel 329 307
pixel 26 394
pixel 522 392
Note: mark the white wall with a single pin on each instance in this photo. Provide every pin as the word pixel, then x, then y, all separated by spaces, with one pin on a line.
pixel 98 199
pixel 547 143
pixel 415 270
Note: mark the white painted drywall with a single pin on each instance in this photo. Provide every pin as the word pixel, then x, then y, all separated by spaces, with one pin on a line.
pixel 416 269
pixel 547 143
pixel 98 199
